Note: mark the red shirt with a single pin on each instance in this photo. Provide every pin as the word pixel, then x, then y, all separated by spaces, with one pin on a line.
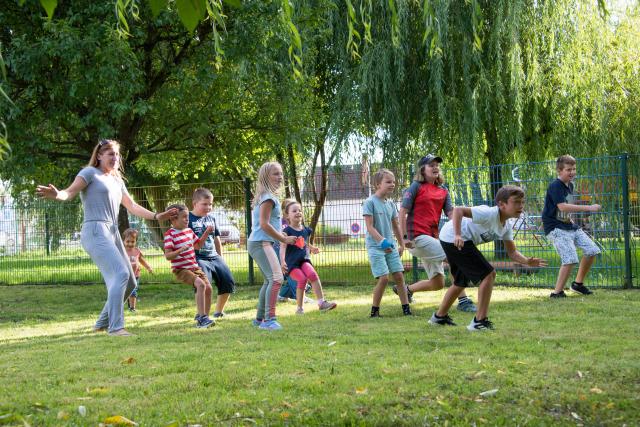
pixel 425 203
pixel 174 239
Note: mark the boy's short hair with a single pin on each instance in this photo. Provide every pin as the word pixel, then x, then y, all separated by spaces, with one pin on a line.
pixel 130 232
pixel 565 160
pixel 201 193
pixel 506 192
pixel 178 206
pixel 379 176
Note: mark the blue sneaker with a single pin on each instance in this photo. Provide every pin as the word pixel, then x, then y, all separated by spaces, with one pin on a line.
pixel 270 325
pixel 256 322
pixel 467 306
pixel 205 322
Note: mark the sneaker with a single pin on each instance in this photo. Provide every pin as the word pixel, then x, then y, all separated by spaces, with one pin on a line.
pixel 467 306
pixel 307 300
pixel 300 310
pixel 480 325
pixel 270 325
pixel 443 321
pixel 197 318
pixel 560 294
pixel 407 313
pixel 256 322
pixel 132 309
pixel 580 288
pixel 282 299
pixel 205 322
pixel 327 305
pixel 376 314
pixel 218 315
pixel 409 293
pixel 307 288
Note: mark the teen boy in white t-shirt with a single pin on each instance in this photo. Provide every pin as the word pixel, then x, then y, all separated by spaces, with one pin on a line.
pixel 459 237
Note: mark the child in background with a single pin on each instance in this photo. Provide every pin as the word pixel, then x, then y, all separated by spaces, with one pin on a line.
pixel 180 243
pixel 470 227
pixel 295 259
pixel 381 217
pixel 136 258
pixel 265 231
pixel 563 232
pixel 209 257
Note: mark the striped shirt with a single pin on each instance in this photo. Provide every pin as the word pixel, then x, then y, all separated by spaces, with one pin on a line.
pixel 174 239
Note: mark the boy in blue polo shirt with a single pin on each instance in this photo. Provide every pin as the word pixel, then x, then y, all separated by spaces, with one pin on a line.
pixel 381 216
pixel 563 232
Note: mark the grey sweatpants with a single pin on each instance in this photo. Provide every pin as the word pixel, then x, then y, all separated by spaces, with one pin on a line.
pixel 265 256
pixel 102 242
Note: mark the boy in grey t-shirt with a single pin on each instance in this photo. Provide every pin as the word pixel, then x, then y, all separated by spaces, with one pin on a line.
pixel 474 226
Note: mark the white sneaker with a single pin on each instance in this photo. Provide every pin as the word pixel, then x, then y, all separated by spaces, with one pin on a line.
pixel 300 310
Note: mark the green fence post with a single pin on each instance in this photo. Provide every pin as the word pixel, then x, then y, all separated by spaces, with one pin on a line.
pixel 414 260
pixel 247 224
pixel 628 278
pixel 47 234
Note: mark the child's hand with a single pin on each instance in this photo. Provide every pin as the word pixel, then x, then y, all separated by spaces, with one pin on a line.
pixel 151 271
pixel 386 245
pixel 284 267
pixel 595 208
pixel 536 262
pixel 290 240
pixel 184 248
pixel 409 243
pixel 209 229
pixel 400 250
pixel 458 242
pixel 314 250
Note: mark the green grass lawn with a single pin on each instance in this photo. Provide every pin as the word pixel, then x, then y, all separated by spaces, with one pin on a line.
pixel 570 362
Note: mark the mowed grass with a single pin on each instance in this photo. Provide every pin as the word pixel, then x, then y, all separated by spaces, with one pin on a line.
pixel 570 362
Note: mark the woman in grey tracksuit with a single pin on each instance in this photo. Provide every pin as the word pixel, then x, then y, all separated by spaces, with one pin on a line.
pixel 102 190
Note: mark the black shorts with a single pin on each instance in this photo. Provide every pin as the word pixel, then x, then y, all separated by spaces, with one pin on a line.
pixel 468 265
pixel 218 272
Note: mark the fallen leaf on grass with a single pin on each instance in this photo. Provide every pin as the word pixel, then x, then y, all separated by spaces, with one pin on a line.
pixel 119 420
pixel 97 390
pixel 488 393
pixel 611 405
pixel 596 390
pixel 576 416
pixel 286 404
pixel 172 424
pixel 62 415
pixel 82 411
pixel 361 390
pixel 500 372
pixel 478 374
pixel 285 415
pixel 520 363
pixel 579 374
pixel 128 361
pixel 331 343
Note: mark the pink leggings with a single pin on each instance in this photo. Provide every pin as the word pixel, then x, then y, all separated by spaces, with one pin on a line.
pixel 302 274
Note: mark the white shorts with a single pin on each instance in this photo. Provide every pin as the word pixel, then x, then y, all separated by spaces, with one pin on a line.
pixel 566 242
pixel 430 253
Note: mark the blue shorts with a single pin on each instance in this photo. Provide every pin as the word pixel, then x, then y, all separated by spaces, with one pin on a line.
pixel 383 263
pixel 218 272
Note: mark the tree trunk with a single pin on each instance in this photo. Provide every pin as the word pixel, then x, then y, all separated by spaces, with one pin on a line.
pixel 495 179
pixel 294 173
pixel 318 197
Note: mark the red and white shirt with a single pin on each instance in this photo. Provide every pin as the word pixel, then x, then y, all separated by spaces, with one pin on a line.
pixel 175 239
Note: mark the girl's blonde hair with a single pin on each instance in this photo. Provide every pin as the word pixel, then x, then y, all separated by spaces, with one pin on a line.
pixel 379 176
pixel 263 184
pixel 287 204
pixel 419 176
pixel 102 146
pixel 130 232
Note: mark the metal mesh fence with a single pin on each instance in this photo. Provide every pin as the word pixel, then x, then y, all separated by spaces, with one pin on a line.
pixel 39 240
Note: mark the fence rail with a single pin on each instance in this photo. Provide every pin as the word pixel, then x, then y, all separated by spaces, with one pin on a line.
pixel 39 240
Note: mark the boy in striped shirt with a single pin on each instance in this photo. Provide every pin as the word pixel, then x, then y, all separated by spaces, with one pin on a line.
pixel 180 243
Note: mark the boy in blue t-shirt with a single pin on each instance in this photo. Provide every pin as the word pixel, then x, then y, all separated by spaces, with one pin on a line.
pixel 563 232
pixel 209 257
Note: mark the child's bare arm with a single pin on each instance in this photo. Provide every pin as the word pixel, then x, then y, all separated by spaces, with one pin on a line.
pixel 201 241
pixel 396 231
pixel 368 220
pixel 169 254
pixel 144 263
pixel 283 252
pixel 516 256
pixel 456 217
pixel 218 245
pixel 568 207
